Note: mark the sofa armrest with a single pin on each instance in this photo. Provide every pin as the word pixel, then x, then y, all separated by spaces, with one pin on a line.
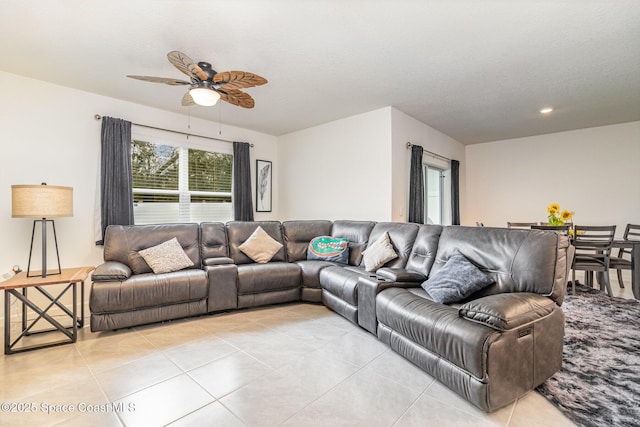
pixel 217 261
pixel 507 311
pixel 401 275
pixel 368 289
pixel 223 287
pixel 111 271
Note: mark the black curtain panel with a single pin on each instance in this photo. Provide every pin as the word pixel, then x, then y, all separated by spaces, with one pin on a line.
pixel 416 186
pixel 455 192
pixel 116 195
pixel 242 199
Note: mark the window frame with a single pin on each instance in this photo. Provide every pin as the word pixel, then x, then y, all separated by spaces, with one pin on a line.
pixel 183 143
pixel 444 188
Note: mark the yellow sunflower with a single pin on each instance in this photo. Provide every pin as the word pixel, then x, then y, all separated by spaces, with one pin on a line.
pixel 553 208
pixel 566 215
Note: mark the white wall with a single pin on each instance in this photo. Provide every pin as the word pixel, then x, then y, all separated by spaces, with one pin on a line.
pixel 356 168
pixel 407 129
pixel 48 134
pixel 338 170
pixel 593 172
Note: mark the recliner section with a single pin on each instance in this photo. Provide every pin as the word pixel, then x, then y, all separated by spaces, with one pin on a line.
pixel 340 285
pixel 297 235
pixel 126 293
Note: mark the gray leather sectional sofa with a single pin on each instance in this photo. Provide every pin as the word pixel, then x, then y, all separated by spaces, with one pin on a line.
pixel 490 348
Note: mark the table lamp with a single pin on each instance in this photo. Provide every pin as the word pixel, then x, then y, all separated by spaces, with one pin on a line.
pixel 42 201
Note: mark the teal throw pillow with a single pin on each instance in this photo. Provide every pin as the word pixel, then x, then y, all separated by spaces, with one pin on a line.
pixel 456 280
pixel 327 248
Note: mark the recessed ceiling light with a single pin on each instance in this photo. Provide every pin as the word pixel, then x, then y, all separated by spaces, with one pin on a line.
pixel 546 110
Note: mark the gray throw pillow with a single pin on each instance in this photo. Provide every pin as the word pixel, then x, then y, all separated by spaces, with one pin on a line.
pixel 456 280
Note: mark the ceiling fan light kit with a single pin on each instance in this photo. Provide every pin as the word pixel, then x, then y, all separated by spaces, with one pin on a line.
pixel 207 85
pixel 204 95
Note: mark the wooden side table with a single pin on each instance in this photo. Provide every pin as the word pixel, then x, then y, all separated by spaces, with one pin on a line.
pixel 18 285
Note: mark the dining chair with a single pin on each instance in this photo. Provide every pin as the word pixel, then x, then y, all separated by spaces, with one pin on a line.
pixel 621 262
pixel 592 253
pixel 526 225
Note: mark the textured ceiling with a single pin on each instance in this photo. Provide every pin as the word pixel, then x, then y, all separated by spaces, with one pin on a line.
pixel 475 70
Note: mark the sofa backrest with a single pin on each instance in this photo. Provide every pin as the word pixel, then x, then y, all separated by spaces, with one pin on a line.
pixel 423 253
pixel 298 234
pixel 357 232
pixel 122 243
pixel 213 240
pixel 518 260
pixel 402 236
pixel 239 231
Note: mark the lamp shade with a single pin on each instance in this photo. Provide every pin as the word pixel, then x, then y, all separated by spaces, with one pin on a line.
pixel 41 201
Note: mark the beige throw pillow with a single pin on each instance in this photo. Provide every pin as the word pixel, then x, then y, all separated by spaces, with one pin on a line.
pixel 379 253
pixel 166 257
pixel 260 247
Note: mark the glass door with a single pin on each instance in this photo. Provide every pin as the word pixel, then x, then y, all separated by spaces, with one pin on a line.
pixel 434 197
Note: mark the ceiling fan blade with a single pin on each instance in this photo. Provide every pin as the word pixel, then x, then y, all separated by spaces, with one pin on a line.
pixel 187 100
pixel 238 80
pixel 185 64
pixel 172 82
pixel 237 97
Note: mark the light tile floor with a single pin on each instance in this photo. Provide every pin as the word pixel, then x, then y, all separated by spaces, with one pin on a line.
pixel 292 365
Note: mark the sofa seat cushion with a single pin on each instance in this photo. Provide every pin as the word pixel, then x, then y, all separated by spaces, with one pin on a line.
pixel 149 290
pixel 342 282
pixel 273 276
pixel 436 327
pixel 310 270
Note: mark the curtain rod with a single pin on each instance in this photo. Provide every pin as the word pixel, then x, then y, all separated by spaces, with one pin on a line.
pixel 432 154
pixel 99 117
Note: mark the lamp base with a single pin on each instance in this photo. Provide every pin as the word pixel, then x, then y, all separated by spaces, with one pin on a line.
pixel 44 272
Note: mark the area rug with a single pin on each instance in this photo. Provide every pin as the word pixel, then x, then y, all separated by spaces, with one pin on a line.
pixel 599 383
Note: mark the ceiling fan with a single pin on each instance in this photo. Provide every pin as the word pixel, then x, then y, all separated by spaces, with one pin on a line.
pixel 207 85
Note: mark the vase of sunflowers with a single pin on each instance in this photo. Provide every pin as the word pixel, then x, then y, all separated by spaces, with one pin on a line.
pixel 557 217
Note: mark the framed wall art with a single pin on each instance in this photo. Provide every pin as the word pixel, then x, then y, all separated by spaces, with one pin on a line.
pixel 264 172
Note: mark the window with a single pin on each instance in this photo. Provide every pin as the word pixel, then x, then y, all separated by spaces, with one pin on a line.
pixel 175 182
